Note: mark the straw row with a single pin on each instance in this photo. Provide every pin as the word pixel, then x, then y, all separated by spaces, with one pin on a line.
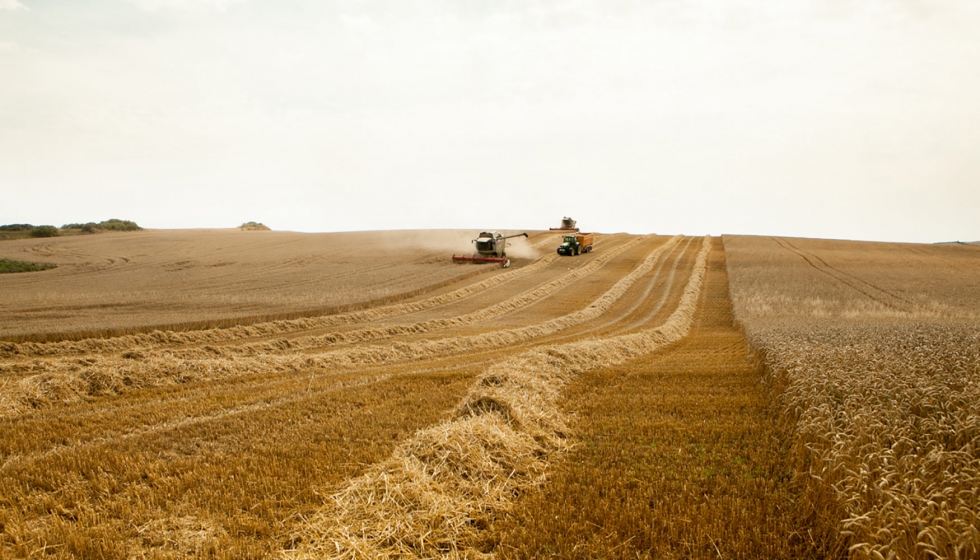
pixel 167 338
pixel 281 345
pixel 95 376
pixel 510 305
pixel 438 493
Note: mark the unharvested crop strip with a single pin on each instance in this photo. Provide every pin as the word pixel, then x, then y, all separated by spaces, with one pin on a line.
pixel 886 429
pixel 100 376
pixel 433 495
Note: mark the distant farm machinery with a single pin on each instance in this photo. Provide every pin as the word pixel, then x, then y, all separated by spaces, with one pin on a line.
pixel 491 247
pixel 567 224
pixel 576 243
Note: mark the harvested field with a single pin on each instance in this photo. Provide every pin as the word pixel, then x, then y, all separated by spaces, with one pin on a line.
pixel 221 441
pixel 399 405
pixel 132 281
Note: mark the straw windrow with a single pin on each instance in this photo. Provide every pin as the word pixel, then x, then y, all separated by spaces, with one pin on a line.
pixel 162 338
pixel 169 338
pixel 439 491
pixel 377 333
pixel 73 379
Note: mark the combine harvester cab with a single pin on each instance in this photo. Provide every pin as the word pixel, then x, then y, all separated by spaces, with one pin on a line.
pixel 491 247
pixel 574 244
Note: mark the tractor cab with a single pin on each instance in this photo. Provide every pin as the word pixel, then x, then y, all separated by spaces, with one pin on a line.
pixel 569 246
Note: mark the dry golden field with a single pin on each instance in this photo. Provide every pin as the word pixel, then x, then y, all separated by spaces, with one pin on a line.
pixel 116 283
pixel 873 355
pixel 359 396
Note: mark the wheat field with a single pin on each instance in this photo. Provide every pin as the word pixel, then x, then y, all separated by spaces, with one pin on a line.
pixel 230 394
pixel 873 353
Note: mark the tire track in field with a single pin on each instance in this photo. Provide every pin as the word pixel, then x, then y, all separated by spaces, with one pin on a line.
pixel 440 488
pixel 623 316
pixel 848 275
pixel 649 313
pixel 107 377
pixel 622 322
pixel 656 308
pixel 809 259
pixel 14 461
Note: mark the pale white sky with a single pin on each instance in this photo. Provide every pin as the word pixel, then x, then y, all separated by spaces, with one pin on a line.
pixel 837 118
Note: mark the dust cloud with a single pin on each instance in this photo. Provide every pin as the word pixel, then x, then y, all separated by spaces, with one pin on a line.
pixel 460 242
pixel 520 248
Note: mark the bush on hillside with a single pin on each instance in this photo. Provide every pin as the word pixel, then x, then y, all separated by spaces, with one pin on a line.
pixel 119 225
pixel 254 226
pixel 90 227
pixel 17 227
pixel 45 231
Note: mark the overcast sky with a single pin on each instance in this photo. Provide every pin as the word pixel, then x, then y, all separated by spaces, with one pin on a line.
pixel 855 119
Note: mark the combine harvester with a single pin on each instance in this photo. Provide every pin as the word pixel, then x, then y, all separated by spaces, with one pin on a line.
pixel 567 224
pixel 491 247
